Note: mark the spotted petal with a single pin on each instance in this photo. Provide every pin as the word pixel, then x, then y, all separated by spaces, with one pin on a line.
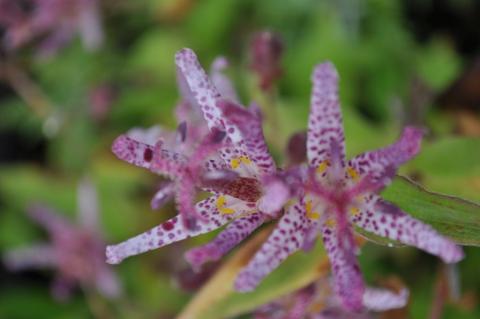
pixel 244 128
pixel 200 86
pixel 377 162
pixel 233 234
pixel 385 219
pixel 168 232
pixel 348 282
pixel 325 121
pixel 286 238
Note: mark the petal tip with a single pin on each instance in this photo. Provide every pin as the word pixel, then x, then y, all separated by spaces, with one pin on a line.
pixel 112 257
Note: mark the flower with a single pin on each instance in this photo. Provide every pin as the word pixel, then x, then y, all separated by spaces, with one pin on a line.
pixel 316 301
pixel 266 52
pixel 55 20
pixel 238 170
pixel 75 251
pixel 338 195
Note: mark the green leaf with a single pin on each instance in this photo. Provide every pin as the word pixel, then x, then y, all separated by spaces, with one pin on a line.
pixel 218 300
pixel 452 216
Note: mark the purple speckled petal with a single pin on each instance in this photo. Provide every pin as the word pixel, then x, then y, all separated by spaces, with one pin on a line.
pixel 133 152
pixel 376 162
pixel 200 86
pixel 244 128
pixel 163 195
pixel 37 256
pixel 325 120
pixel 285 239
pixel 385 219
pixel 348 282
pixel 221 81
pixel 168 232
pixel 233 234
pixel 376 299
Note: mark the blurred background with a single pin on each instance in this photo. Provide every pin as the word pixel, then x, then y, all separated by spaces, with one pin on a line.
pixel 75 74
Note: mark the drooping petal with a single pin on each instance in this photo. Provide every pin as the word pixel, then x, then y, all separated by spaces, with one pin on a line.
pixel 37 256
pixel 325 121
pixel 285 239
pixel 382 299
pixel 221 81
pixel 348 282
pixel 168 232
pixel 233 234
pixel 163 195
pixel 200 86
pixel 391 157
pixel 384 219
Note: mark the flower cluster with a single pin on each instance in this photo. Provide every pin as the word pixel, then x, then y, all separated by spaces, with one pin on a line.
pixel 54 21
pixel 228 156
pixel 75 251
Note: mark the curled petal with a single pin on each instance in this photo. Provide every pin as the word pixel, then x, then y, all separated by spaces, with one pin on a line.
pixel 163 195
pixel 377 162
pixel 385 219
pixel 325 121
pixel 382 300
pixel 286 238
pixel 348 282
pixel 168 232
pixel 233 234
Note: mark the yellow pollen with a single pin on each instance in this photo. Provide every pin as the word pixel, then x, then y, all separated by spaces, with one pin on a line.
pixel 352 173
pixel 330 222
pixel 235 162
pixel 322 167
pixel 311 214
pixel 354 211
pixel 221 202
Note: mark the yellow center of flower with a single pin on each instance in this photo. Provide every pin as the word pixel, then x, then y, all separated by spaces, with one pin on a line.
pixel 221 203
pixel 310 213
pixel 353 174
pixel 235 162
pixel 322 167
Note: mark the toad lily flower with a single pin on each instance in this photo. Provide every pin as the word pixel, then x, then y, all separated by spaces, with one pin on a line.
pixel 338 195
pixel 317 301
pixel 237 172
pixel 76 251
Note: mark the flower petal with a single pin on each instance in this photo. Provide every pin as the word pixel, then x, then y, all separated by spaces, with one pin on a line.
pixel 348 282
pixel 168 232
pixel 285 239
pixel 37 256
pixel 384 219
pixel 221 81
pixel 200 86
pixel 382 299
pixel 163 195
pixel 325 121
pixel 276 195
pixel 377 162
pixel 233 234
pixel 244 128
pixel 133 151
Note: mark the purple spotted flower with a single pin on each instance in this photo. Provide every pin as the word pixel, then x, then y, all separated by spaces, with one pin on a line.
pixel 75 251
pixel 317 301
pixel 338 195
pixel 55 22
pixel 238 170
